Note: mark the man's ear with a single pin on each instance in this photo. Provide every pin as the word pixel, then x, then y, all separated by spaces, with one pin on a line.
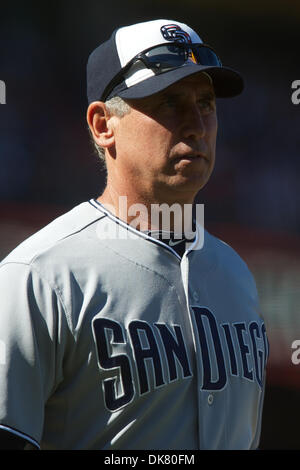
pixel 98 120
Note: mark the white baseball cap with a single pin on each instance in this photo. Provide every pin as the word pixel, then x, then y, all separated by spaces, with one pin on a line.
pixel 145 58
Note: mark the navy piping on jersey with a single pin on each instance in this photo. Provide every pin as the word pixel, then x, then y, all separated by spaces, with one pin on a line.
pixel 20 434
pixel 100 207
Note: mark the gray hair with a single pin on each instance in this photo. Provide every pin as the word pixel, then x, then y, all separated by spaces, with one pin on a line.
pixel 116 106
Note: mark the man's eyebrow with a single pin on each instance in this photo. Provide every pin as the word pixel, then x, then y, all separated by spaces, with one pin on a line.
pixel 207 94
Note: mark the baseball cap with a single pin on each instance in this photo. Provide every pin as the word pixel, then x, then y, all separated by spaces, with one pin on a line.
pixel 145 58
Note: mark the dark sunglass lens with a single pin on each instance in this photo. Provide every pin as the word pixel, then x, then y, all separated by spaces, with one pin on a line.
pixel 167 56
pixel 206 56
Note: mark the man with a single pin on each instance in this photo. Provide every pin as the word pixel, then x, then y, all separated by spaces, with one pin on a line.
pixel 124 328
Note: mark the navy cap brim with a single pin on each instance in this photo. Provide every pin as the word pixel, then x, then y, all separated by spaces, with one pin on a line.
pixel 226 81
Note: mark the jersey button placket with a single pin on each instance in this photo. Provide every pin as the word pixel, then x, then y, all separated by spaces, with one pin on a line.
pixel 189 293
pixel 210 399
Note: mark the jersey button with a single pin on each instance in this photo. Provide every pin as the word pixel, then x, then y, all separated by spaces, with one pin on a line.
pixel 195 296
pixel 210 399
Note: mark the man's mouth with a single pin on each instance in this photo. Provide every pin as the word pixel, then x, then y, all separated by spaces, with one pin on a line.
pixel 190 157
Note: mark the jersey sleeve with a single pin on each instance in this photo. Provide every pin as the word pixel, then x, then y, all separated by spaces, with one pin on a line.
pixel 29 359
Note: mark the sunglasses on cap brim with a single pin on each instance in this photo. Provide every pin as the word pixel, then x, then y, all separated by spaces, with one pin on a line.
pixel 165 57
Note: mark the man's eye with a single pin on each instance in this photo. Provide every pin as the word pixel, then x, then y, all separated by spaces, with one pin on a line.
pixel 206 105
pixel 169 102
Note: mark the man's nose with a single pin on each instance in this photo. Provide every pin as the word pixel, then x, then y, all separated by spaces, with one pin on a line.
pixel 193 123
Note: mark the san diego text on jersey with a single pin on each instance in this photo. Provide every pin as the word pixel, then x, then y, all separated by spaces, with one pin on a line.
pixel 239 350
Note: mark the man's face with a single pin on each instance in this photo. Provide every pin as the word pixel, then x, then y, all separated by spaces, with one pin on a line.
pixel 166 144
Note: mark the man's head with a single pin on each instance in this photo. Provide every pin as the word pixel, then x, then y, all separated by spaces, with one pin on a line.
pixel 162 143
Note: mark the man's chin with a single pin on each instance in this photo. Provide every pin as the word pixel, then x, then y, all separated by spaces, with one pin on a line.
pixel 191 182
pixel 182 190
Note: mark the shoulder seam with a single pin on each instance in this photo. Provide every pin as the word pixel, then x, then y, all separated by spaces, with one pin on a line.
pixel 64 238
pixel 54 288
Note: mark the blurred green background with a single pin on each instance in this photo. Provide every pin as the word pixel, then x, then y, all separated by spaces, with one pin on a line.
pixel 252 201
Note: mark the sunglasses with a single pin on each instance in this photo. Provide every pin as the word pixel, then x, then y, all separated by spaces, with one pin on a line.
pixel 165 57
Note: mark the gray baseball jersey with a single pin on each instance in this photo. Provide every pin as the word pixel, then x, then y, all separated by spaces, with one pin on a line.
pixel 119 343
